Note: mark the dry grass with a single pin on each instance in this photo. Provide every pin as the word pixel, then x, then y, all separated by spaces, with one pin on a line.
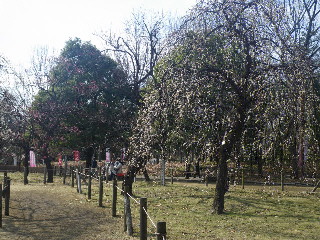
pixel 257 212
pixel 56 211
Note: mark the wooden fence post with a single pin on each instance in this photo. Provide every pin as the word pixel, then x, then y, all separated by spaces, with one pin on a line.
pixel 242 178
pixel 171 175
pixel 78 175
pixel 89 184
pixel 100 190
pixel 79 181
pixel 127 211
pixel 143 219
pixel 282 181
pixel 124 218
pixel 161 230
pixel 0 205
pixel 72 176
pixel 45 175
pixel 65 171
pixel 206 179
pixel 107 174
pixel 114 198
pixel 60 171
pixel 7 197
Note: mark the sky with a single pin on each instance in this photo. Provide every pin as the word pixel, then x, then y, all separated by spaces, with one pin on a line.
pixel 27 25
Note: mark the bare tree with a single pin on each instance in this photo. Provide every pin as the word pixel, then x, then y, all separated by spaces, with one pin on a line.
pixel 139 48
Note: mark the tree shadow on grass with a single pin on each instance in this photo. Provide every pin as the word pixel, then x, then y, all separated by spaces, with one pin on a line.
pixel 39 217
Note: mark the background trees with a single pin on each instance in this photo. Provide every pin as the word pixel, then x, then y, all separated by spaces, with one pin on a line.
pixel 237 84
pixel 87 103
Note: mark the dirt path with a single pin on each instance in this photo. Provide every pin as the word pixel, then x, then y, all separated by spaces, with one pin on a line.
pixel 55 211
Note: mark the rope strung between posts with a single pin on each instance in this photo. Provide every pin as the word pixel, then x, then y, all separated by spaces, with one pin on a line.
pixel 86 175
pixel 139 204
pixel 149 217
pixel 133 198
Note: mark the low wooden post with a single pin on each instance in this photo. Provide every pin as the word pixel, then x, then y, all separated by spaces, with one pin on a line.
pixel 114 198
pixel 72 176
pixel 89 184
pixel 143 219
pixel 77 173
pixel 45 175
pixel 78 176
pixel 206 179
pixel 107 174
pixel 161 230
pixel 242 178
pixel 127 211
pixel 79 182
pixel 282 181
pixel 100 191
pixel 0 205
pixel 124 218
pixel 7 197
pixel 65 171
pixel 171 175
pixel 60 171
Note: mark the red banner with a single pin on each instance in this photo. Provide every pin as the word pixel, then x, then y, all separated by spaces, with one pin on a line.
pixel 76 156
pixel 60 160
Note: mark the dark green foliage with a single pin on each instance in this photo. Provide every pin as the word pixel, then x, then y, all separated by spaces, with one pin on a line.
pixel 87 102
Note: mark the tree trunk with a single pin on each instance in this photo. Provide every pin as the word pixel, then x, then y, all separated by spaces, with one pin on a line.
pixel 294 159
pixel 226 148
pixel 49 169
pixel 88 155
pixel 146 175
pixel 251 162
pixel 163 171
pixel 259 162
pixel 129 179
pixel 222 182
pixel 26 164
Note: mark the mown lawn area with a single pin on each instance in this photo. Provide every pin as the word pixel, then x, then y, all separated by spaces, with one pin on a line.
pixel 256 212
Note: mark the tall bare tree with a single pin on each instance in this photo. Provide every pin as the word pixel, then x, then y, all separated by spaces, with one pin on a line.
pixel 139 47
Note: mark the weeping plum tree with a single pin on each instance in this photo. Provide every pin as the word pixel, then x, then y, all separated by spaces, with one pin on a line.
pixel 289 132
pixel 216 75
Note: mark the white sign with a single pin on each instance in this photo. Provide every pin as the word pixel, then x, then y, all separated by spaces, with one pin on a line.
pixel 32 159
pixel 108 155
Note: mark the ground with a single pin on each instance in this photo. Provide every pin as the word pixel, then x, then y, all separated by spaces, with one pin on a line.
pixel 56 211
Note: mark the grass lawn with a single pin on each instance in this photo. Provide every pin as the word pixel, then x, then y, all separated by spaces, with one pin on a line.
pixel 256 212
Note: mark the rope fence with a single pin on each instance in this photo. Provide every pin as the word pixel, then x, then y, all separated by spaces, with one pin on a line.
pixel 80 176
